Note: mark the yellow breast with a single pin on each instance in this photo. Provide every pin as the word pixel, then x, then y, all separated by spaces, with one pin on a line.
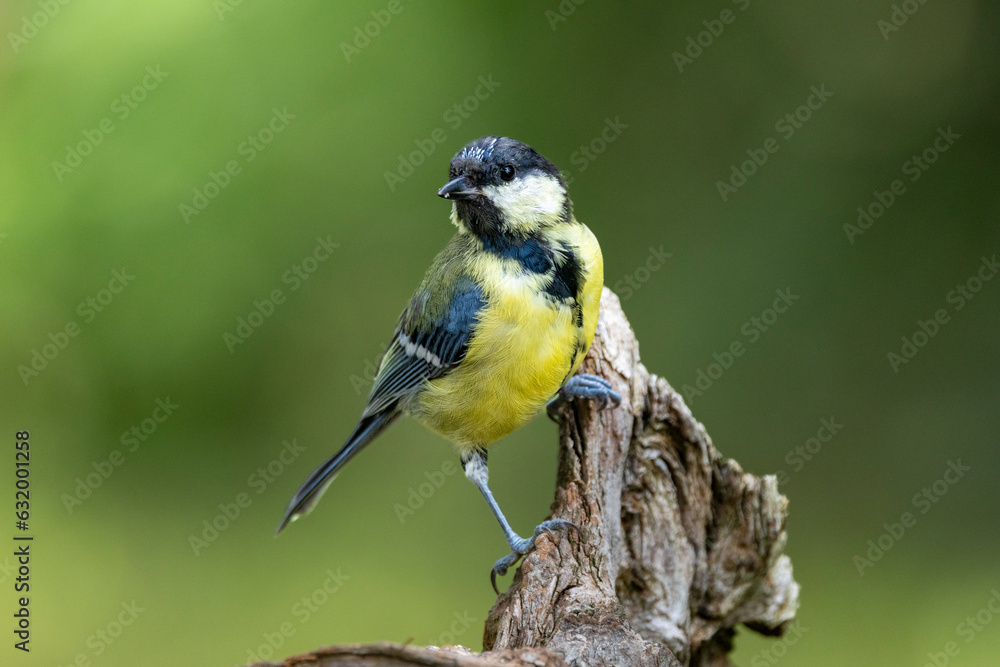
pixel 524 348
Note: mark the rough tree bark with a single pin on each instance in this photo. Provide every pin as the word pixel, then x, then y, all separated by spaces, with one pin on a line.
pixel 676 548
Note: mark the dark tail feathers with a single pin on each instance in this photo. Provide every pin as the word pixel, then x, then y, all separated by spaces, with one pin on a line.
pixel 309 493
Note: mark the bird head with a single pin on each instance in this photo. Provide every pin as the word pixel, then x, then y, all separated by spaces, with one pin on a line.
pixel 502 189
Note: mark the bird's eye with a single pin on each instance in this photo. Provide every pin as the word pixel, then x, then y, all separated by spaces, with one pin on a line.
pixel 507 172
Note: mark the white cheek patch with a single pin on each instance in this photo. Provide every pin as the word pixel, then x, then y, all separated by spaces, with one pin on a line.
pixel 528 202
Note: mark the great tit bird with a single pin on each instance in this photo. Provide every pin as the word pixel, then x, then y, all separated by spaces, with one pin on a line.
pixel 499 325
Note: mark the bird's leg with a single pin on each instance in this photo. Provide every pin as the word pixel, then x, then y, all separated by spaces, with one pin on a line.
pixel 586 386
pixel 475 468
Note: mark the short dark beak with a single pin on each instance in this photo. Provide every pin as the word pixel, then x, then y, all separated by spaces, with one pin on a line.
pixel 458 188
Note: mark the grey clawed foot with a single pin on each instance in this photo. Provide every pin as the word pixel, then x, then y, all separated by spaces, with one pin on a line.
pixel 524 547
pixel 584 386
pixel 500 568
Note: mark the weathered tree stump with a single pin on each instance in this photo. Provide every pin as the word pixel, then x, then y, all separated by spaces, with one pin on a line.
pixel 676 545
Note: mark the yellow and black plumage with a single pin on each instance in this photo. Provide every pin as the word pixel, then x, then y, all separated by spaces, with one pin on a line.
pixel 499 325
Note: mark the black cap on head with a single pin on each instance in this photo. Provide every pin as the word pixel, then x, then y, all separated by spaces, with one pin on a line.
pixel 488 160
pixel 480 183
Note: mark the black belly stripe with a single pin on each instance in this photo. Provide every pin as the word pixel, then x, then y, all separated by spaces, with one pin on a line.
pixel 567 279
pixel 534 255
pixel 531 253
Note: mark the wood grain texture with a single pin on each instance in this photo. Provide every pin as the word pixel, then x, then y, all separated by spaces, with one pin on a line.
pixel 676 547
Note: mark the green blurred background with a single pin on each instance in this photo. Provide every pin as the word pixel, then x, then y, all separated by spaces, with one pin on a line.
pixel 557 77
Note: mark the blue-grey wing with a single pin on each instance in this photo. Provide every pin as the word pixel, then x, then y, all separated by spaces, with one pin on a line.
pixel 425 348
